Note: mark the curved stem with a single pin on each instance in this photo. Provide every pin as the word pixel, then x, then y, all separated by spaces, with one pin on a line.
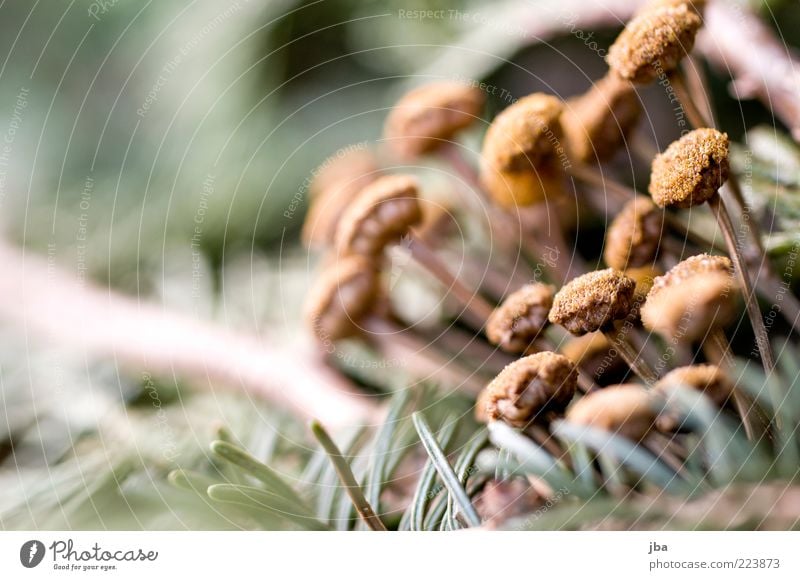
pixel 753 310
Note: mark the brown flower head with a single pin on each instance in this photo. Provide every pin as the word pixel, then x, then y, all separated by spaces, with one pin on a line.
pixel 513 189
pixel 708 379
pixel 593 301
pixel 653 43
pixel 691 170
pixel 592 352
pixel 516 323
pixel 633 238
pixel 627 410
pixel 430 115
pixel 381 214
pixel 524 135
pixel 644 277
pixel 345 292
pixel 335 184
pixel 693 296
pixel 597 123
pixel 529 389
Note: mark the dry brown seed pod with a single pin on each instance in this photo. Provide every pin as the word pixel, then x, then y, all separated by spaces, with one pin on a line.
pixel 514 189
pixel 708 379
pixel 592 352
pixel 653 43
pixel 627 410
pixel 430 115
pixel 381 214
pixel 336 184
pixel 529 389
pixel 691 298
pixel 633 238
pixel 596 124
pixel 341 297
pixel 691 170
pixel 525 135
pixel 593 301
pixel 518 321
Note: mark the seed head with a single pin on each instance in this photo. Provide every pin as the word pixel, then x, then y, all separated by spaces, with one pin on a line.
pixel 633 238
pixel 708 379
pixel 592 352
pixel 515 324
pixel 336 183
pixel 345 292
pixel 691 170
pixel 514 189
pixel 627 410
pixel 692 297
pixel 524 135
pixel 653 43
pixel 529 389
pixel 593 301
pixel 381 214
pixel 596 124
pixel 425 118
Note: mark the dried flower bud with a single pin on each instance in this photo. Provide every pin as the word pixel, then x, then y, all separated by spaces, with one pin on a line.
pixel 627 410
pixel 597 123
pixel 633 238
pixel 336 184
pixel 529 390
pixel 708 379
pixel 515 324
pixel 692 297
pixel 653 43
pixel 381 214
pixel 429 115
pixel 691 170
pixel 345 292
pixel 513 189
pixel 593 301
pixel 644 277
pixel 524 135
pixel 592 352
pixel 501 500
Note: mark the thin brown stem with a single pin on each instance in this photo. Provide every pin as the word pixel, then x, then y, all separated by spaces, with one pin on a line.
pixel 753 310
pixel 631 357
pixel 693 113
pixel 476 309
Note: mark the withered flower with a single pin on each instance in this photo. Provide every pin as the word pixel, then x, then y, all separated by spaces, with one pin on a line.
pixel 692 297
pixel 593 301
pixel 626 410
pixel 710 380
pixel 429 116
pixel 633 238
pixel 381 214
pixel 597 123
pixel 653 43
pixel 530 389
pixel 345 292
pixel 691 170
pixel 518 321
pixel 335 185
pixel 592 352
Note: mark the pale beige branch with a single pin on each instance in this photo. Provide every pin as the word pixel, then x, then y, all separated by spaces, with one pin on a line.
pixel 51 305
